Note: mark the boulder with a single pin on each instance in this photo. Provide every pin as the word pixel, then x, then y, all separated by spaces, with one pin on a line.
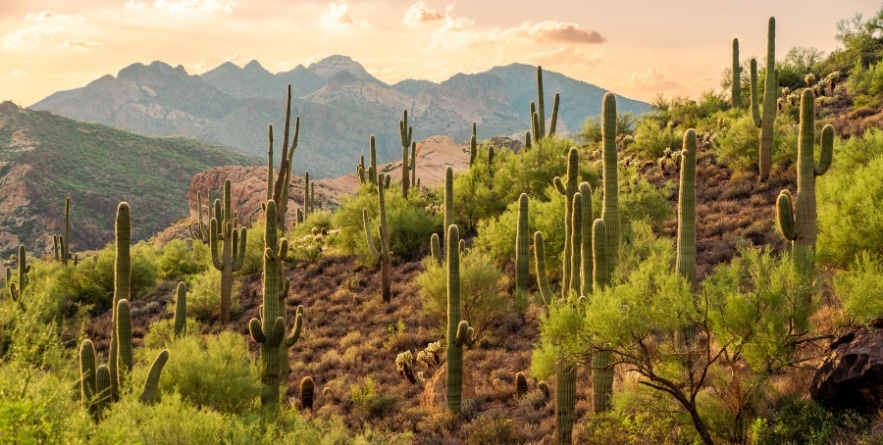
pixel 852 373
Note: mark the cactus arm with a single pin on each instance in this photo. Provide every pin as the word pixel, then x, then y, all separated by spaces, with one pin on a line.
pixel 256 331
pixel 827 150
pixel 755 105
pixel 785 216
pixel 541 109
pixel 540 264
pixel 370 240
pixel 601 272
pixel 213 244
pixel 575 243
pixel 435 248
pixel 559 186
pixel 522 245
pixel 181 310
pixel 554 121
pixel 587 218
pixel 124 333
pixel 87 377
pixel 103 390
pixel 148 394
pixel 295 332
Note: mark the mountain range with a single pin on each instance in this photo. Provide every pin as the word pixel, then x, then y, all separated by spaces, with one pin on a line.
pixel 339 102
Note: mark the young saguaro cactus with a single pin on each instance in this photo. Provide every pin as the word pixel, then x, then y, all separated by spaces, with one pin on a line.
pixel 87 378
pixel 473 146
pixel 405 133
pixel 567 188
pixel 799 225
pixel 181 309
pixel 770 91
pixel 23 268
pixel 199 230
pixel 522 245
pixel 62 242
pixel 459 331
pixel 231 256
pixel 382 253
pixel 269 331
pixel 736 87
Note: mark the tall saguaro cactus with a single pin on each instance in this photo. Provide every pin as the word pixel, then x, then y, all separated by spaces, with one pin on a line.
pixel 799 224
pixel 231 256
pixel 686 258
pixel 770 90
pixel 199 230
pixel 405 133
pixel 382 253
pixel 538 120
pixel 522 245
pixel 269 331
pixel 473 146
pixel 610 203
pixel 459 331
pixel 122 290
pixel 736 87
pixel 567 187
pixel 181 309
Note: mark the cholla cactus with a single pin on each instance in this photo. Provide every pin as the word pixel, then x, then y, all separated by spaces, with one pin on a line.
pixel 405 366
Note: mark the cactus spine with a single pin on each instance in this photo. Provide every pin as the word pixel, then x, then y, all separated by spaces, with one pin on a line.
pixel 405 132
pixel 610 204
pixel 269 331
pixel 459 331
pixel 229 258
pixel 181 309
pixel 381 254
pixel 799 224
pixel 770 90
pixel 522 245
pixel 736 87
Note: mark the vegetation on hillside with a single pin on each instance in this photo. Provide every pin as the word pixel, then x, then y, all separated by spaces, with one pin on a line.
pixel 675 294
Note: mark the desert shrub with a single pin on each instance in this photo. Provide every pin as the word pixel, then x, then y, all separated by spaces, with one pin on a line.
pixel 865 83
pixel 214 372
pixel 491 428
pixel 805 422
pixel 162 332
pixel 481 299
pixel 254 250
pixel 407 220
pixel 319 220
pixel 860 288
pixel 850 219
pixel 177 260
pixel 738 147
pixel 641 200
pixel 204 295
pixel 368 403
pixel 652 137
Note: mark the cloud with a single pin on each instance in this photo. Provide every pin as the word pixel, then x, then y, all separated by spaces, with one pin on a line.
pixel 566 55
pixel 180 8
pixel 82 44
pixel 420 13
pixel 552 31
pixel 338 15
pixel 36 27
pixel 18 73
pixel 654 79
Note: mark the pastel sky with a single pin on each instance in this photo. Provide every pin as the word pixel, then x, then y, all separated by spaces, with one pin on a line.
pixel 637 48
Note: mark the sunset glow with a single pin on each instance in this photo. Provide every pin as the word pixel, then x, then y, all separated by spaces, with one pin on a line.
pixel 638 49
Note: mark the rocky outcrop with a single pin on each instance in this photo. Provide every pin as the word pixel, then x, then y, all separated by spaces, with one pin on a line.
pixel 852 373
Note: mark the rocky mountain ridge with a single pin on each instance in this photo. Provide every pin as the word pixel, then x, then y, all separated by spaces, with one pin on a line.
pixel 340 104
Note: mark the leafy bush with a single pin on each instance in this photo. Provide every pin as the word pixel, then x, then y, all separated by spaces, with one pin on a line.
pixel 204 295
pixel 739 144
pixel 804 422
pixel 214 372
pixel 850 217
pixel 860 288
pixel 866 83
pixel 481 300
pixel 177 261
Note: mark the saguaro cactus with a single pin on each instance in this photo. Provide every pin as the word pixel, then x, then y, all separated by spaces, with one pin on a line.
pixel 181 309
pixel 585 245
pixel 151 384
pixel 23 268
pixel 520 384
pixel 686 258
pixel 382 253
pixel 122 289
pixel 459 331
pixel 307 388
pixel 770 90
pixel 269 331
pixel 736 87
pixel 799 224
pixel 405 133
pixel 522 245
pixel 87 378
pixel 610 204
pixel 278 190
pixel 567 188
pixel 473 146
pixel 538 115
pixel 62 242
pixel 230 257
pixel 199 230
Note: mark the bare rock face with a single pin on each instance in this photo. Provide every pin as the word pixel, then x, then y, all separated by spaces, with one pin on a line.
pixel 852 373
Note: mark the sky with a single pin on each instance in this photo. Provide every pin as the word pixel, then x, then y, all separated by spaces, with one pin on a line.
pixel 636 48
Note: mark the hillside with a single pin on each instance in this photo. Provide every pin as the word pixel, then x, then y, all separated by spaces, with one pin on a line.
pixel 339 102
pixel 44 158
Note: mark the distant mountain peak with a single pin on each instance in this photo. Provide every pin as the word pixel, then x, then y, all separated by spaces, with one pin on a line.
pixel 331 65
pixel 254 65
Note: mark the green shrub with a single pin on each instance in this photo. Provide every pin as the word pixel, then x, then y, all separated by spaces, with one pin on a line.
pixel 481 298
pixel 177 260
pixel 491 428
pixel 254 250
pixel 804 422
pixel 204 297
pixel 213 372
pixel 860 288
pixel 738 145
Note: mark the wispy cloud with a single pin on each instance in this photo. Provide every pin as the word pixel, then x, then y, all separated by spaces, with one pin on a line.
pixel 339 15
pixel 181 8
pixel 420 13
pixel 553 31
pixel 654 79
pixel 38 26
pixel 566 55
pixel 82 44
